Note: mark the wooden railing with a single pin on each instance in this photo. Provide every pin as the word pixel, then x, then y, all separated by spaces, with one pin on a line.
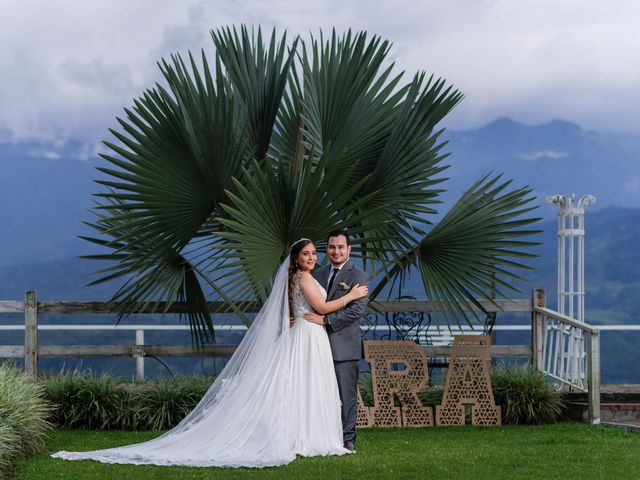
pixel 31 351
pixel 543 323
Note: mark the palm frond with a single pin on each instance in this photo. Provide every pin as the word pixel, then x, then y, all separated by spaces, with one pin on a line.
pixel 259 77
pixel 406 172
pixel 353 107
pixel 348 101
pixel 175 157
pixel 151 276
pixel 270 209
pixel 474 251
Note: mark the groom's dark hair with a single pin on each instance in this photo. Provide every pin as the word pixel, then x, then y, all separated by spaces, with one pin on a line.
pixel 337 233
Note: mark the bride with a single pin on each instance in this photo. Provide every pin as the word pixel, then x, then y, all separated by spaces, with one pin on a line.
pixel 276 398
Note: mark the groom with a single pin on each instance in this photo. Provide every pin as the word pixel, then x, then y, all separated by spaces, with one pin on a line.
pixel 343 326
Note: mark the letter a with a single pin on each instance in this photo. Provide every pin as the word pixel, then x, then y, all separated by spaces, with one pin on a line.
pixel 468 382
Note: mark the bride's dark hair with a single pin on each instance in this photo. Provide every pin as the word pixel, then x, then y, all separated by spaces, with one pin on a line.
pixel 296 248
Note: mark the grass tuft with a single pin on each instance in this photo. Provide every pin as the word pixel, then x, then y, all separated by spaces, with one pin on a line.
pixel 23 417
pixel 83 399
pixel 167 402
pixel 525 396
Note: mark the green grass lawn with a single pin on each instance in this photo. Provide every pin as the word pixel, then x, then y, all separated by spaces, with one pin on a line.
pixel 567 450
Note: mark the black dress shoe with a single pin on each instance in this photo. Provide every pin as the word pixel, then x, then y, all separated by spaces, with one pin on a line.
pixel 349 445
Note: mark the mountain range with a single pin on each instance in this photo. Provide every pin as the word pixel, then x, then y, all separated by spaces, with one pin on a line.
pixel 558 157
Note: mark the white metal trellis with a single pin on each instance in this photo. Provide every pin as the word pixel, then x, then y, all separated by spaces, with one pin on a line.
pixel 569 344
pixel 571 238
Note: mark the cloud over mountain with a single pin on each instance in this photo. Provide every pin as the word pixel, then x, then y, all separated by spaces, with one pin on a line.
pixel 70 67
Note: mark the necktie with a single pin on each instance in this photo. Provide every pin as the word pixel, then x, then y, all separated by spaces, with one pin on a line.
pixel 334 272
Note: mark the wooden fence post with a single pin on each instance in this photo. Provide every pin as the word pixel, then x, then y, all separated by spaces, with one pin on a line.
pixel 593 369
pixel 534 331
pixel 31 334
pixel 537 328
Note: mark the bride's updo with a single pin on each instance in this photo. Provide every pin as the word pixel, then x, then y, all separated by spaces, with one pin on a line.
pixel 296 248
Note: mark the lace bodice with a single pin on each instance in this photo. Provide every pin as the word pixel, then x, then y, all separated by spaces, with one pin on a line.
pixel 299 302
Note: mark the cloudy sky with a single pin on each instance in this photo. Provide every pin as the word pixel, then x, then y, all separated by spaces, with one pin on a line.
pixel 69 66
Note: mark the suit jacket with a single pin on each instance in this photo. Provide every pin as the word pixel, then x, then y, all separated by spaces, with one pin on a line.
pixel 343 326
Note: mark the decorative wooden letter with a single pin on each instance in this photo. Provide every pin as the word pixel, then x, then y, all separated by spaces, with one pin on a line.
pixel 363 417
pixel 468 382
pixel 387 383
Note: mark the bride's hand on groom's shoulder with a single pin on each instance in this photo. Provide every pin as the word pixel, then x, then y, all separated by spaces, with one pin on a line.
pixel 314 318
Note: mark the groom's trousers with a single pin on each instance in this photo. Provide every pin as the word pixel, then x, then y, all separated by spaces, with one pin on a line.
pixel 347 375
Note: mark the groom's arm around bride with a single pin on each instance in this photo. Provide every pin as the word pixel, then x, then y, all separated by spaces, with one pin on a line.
pixel 345 323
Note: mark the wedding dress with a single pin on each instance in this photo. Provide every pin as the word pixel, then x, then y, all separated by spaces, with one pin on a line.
pixel 276 397
pixel 316 425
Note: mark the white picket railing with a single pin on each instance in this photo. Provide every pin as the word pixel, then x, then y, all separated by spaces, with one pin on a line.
pixel 568 351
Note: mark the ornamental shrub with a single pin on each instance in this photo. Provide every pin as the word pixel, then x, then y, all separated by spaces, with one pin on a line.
pixel 166 402
pixel 23 417
pixel 525 396
pixel 83 399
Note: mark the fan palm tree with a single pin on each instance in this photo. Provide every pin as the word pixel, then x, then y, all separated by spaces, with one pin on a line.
pixel 216 172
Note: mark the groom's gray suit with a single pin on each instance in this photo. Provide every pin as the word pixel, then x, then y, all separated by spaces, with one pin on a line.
pixel 343 328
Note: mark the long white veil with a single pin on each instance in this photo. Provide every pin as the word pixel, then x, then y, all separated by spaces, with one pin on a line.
pixel 242 420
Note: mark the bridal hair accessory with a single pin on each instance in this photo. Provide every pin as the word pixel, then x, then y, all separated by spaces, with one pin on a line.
pixel 298 241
